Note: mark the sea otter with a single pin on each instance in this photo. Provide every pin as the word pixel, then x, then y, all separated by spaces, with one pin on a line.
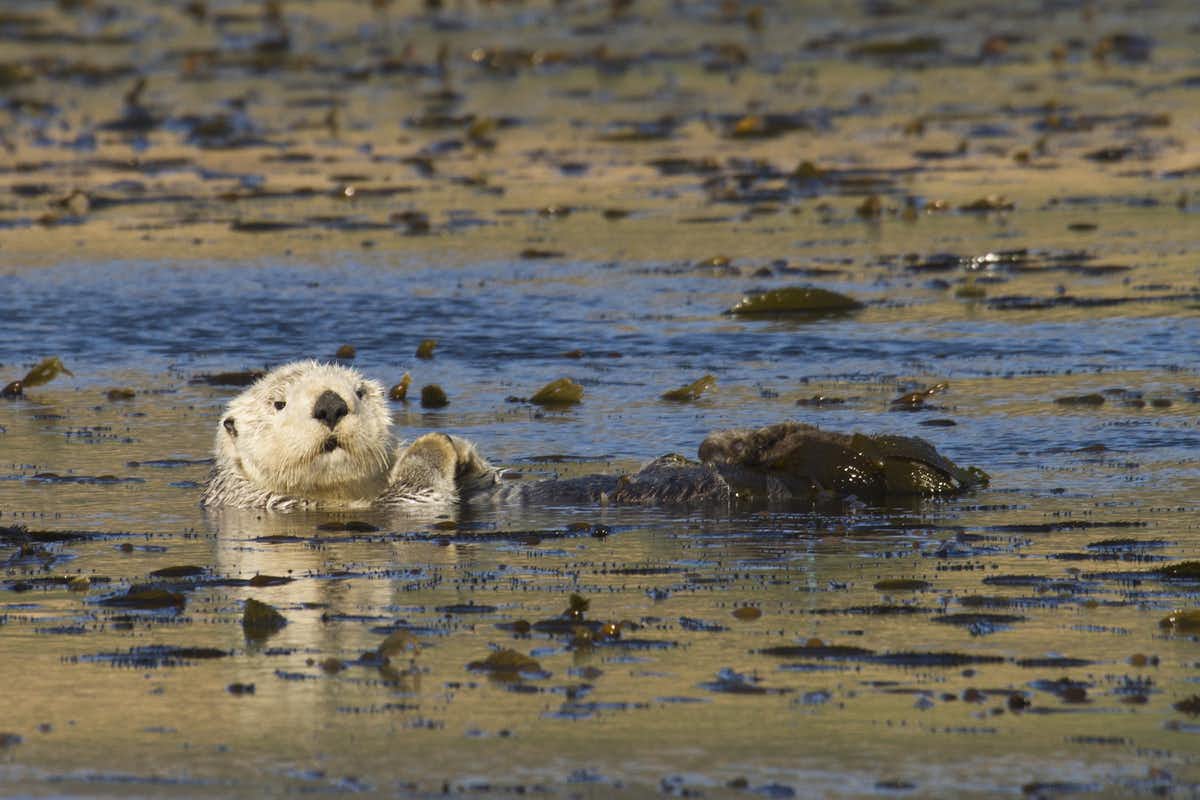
pixel 312 435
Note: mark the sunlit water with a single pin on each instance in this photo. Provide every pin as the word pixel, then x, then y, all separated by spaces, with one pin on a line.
pixel 1063 682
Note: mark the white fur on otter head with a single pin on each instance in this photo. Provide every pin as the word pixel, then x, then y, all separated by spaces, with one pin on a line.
pixel 305 434
pixel 319 436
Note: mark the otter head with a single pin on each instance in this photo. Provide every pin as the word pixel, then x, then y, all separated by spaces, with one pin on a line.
pixel 318 432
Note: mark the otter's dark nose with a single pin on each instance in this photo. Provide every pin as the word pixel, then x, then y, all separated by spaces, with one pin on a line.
pixel 330 408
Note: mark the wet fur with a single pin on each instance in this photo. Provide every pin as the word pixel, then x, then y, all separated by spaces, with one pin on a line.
pixel 271 452
pixel 278 457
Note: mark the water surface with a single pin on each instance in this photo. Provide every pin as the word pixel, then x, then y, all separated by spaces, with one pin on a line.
pixel 556 191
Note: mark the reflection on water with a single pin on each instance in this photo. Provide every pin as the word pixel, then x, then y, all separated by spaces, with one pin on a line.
pixel 1019 644
pixel 354 182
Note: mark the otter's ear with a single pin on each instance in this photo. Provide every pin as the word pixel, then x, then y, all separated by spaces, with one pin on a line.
pixel 230 426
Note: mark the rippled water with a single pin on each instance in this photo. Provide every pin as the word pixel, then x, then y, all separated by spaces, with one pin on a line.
pixel 1029 658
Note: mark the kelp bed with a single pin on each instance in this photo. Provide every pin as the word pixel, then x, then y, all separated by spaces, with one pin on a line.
pixel 963 223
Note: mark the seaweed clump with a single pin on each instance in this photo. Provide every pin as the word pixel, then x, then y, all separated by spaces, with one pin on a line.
pixel 260 620
pixel 561 392
pixel 795 300
pixel 43 372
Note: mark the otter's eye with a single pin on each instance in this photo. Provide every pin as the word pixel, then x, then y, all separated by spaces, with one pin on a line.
pixel 360 391
pixel 279 404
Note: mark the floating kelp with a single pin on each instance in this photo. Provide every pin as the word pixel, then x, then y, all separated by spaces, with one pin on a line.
pixel 1184 621
pixel 621 131
pixel 1093 400
pixel 677 165
pixel 400 642
pixel 72 582
pixel 561 392
pixel 261 580
pixel 986 204
pixel 146 596
pixel 1065 689
pixel 970 291
pixel 509 664
pixel 156 655
pixel 94 480
pixel 467 608
pixel 876 610
pixel 434 396
pixel 720 263
pixel 399 391
pixel 686 394
pixel 170 463
pixel 577 606
pixel 1043 582
pixel 1053 662
pixel 870 207
pixel 416 223
pixel 933 659
pixel 349 526
pixel 43 372
pixel 916 400
pixel 795 300
pixel 13 75
pixel 898 50
pixel 20 534
pixel 818 650
pixel 1183 571
pixel 821 401
pixel 260 620
pixel 182 571
pixel 1189 706
pixel 902 585
pixel 232 379
pixel 766 126
pixel 1127 545
pixel 426 347
pixel 263 226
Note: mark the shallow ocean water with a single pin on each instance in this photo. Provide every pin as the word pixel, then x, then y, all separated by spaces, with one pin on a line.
pixel 577 191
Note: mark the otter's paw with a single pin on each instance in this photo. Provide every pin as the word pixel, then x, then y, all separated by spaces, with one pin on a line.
pixel 445 464
pixel 472 471
pixel 434 452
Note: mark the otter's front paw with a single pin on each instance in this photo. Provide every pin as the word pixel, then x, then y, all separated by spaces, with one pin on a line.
pixel 436 453
pixel 472 472
pixel 450 463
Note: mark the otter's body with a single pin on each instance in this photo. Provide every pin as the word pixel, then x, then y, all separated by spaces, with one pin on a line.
pixel 310 435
